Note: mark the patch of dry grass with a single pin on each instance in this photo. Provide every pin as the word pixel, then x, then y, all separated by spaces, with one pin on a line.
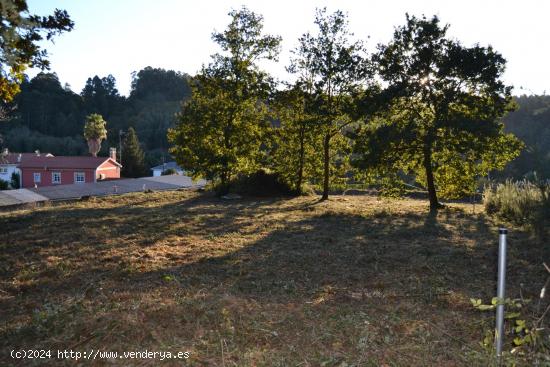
pixel 354 281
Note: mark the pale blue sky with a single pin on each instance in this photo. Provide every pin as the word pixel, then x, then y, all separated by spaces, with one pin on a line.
pixel 120 36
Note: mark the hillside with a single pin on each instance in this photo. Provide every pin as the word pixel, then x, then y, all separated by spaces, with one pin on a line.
pixel 280 282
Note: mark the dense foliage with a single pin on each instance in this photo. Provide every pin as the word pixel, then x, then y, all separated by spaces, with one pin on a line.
pixel 332 70
pixel 21 33
pixel 95 132
pixel 521 203
pixel 297 140
pixel 530 122
pixel 222 130
pixel 50 117
pixel 442 109
pixel 133 163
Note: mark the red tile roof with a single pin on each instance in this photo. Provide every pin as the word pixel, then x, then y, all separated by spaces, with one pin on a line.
pixel 64 162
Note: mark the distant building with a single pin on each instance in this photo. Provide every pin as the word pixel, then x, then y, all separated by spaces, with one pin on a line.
pixel 157 170
pixel 37 169
pixel 9 163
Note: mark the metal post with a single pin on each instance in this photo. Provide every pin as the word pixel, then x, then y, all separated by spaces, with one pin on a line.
pixel 499 330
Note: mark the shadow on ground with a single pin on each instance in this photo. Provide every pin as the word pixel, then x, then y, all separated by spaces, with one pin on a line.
pixel 268 282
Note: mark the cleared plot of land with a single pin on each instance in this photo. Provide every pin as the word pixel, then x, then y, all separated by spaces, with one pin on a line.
pixel 123 186
pixel 257 282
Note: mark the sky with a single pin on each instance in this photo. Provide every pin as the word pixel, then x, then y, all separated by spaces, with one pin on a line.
pixel 121 36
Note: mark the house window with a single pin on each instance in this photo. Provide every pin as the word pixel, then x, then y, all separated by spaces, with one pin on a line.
pixel 56 177
pixel 79 177
pixel 3 170
pixel 36 176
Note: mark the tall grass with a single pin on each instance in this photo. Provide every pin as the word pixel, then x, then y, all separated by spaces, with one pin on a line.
pixel 522 203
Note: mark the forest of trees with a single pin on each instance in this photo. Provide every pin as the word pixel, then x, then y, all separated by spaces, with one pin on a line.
pixel 50 117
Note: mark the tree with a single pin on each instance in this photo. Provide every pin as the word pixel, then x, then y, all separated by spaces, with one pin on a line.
pixel 156 83
pixel 15 180
pixel 94 132
pixel 297 139
pixel 530 123
pixel 21 34
pixel 43 105
pixel 155 98
pixel 133 164
pixel 101 96
pixel 444 102
pixel 220 132
pixel 332 68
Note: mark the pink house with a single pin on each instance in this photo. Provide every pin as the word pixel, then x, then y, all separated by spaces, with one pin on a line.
pixel 47 170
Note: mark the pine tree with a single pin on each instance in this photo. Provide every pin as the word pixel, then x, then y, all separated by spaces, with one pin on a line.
pixel 133 163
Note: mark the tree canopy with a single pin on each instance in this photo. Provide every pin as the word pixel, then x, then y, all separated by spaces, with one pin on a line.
pixel 220 131
pixel 95 127
pixel 332 69
pixel 21 33
pixel 444 104
pixel 95 132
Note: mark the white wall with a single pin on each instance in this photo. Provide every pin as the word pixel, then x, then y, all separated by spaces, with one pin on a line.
pixel 11 169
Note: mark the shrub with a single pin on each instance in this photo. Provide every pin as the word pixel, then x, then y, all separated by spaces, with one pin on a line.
pixel 14 180
pixel 169 171
pixel 522 203
pixel 260 183
pixel 4 185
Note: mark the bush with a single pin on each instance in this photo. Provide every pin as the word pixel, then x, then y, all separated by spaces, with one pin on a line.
pixel 14 180
pixel 169 171
pixel 4 185
pixel 260 183
pixel 521 203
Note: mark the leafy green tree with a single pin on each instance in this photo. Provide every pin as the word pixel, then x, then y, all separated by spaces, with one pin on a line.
pixel 155 98
pixel 530 123
pixel 444 103
pixel 94 132
pixel 21 33
pixel 15 180
pixel 297 139
pixel 44 106
pixel 334 70
pixel 159 84
pixel 133 163
pixel 101 96
pixel 220 132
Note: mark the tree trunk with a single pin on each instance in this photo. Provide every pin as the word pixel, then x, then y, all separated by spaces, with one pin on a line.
pixel 94 146
pixel 326 156
pixel 432 194
pixel 300 165
pixel 224 182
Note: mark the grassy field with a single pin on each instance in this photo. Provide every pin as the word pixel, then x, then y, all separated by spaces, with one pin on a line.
pixel 355 281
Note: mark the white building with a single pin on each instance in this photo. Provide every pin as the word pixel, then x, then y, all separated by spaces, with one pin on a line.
pixel 9 164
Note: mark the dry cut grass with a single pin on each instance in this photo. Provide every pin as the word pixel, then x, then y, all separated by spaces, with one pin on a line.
pixel 354 281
